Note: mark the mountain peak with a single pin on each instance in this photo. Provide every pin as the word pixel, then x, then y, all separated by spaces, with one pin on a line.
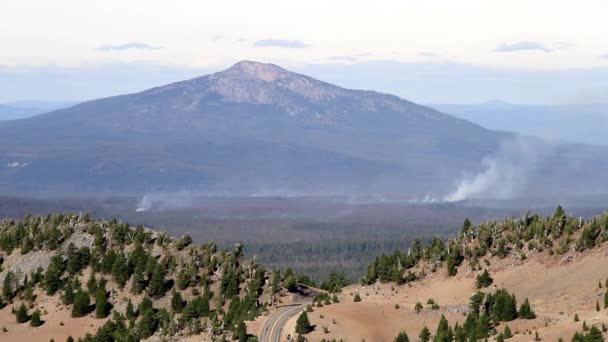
pixel 263 71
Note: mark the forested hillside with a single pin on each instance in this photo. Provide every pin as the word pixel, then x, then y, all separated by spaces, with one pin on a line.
pixel 521 278
pixel 135 282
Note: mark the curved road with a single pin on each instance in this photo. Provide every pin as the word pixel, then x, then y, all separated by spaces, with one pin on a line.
pixel 271 332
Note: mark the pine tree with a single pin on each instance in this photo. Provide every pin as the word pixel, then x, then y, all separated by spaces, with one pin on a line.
pixel 147 325
pixel 500 338
pixel 597 306
pixel 357 298
pixel 303 324
pixel 156 288
pixel 402 337
pixel 68 293
pixel 576 319
pixel 35 320
pixel 120 270
pixel 102 307
pixel 525 311
pixel 52 277
pixel 21 314
pixel 443 331
pixel 92 283
pixel 177 303
pixel 425 334
pixel 484 279
pixel 81 305
pixel 507 332
pixel 130 311
pixel 138 283
pixel 594 335
pixel 418 307
pixel 241 332
pixel 8 289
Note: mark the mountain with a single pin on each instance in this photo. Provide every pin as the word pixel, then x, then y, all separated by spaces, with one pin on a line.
pixel 584 123
pixel 258 129
pixel 25 109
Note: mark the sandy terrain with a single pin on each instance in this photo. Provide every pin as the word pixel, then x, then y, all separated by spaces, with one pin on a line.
pixel 557 288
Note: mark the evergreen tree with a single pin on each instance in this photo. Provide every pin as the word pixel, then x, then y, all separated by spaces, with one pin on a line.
pixel 241 332
pixel 68 293
pixel 35 320
pixel 418 307
pixel 8 288
pixel 484 279
pixel 507 332
pixel 525 311
pixel 147 325
pixel 425 334
pixel 138 283
pixel 81 305
pixel 357 298
pixel 594 335
pixel 102 307
pixel 443 333
pixel 130 311
pixel 156 288
pixel 92 283
pixel 402 337
pixel 21 314
pixel 120 270
pixel 303 324
pixel 177 303
pixel 52 277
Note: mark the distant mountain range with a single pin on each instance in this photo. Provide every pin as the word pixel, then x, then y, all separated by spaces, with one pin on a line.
pixel 586 123
pixel 258 129
pixel 26 109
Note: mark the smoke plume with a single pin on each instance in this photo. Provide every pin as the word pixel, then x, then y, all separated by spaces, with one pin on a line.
pixel 505 173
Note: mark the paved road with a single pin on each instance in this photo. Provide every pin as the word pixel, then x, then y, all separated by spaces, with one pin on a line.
pixel 271 332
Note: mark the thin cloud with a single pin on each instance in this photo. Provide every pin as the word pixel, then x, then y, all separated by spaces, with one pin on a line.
pixel 350 58
pixel 522 46
pixel 427 54
pixel 604 56
pixel 563 45
pixel 281 43
pixel 129 46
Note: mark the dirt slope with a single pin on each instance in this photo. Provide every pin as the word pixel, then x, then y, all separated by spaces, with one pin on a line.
pixel 557 287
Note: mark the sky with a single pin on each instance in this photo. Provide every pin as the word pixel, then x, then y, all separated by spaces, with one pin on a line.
pixel 464 50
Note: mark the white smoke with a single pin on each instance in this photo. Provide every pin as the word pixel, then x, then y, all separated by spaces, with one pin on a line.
pixel 505 173
pixel 160 201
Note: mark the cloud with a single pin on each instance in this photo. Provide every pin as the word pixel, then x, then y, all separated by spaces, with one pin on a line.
pixel 563 45
pixel 604 56
pixel 350 58
pixel 129 46
pixel 429 54
pixel 281 43
pixel 522 46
